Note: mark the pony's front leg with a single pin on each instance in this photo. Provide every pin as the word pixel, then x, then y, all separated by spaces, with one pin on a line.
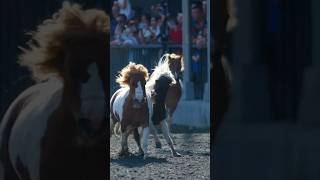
pixel 165 130
pixel 145 141
pixel 111 126
pixel 137 138
pixel 155 135
pixel 124 143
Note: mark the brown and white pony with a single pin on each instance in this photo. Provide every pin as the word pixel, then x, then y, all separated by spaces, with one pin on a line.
pixel 164 85
pixel 174 93
pixel 130 107
pixel 56 129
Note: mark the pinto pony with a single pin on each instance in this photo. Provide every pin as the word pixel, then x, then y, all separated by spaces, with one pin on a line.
pixel 56 128
pixel 164 85
pixel 130 107
pixel 176 66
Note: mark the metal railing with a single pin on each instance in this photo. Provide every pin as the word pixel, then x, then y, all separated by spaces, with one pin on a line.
pixel 148 55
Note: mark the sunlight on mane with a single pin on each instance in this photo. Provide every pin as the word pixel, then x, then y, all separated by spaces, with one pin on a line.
pixel 46 51
pixel 161 69
pixel 132 68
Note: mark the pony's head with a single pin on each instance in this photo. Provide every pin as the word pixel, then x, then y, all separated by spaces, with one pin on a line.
pixel 175 63
pixel 134 76
pixel 72 46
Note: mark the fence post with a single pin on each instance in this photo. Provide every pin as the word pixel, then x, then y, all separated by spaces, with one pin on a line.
pixel 206 94
pixel 187 90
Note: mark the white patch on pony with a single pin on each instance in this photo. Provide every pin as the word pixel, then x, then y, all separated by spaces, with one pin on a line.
pixel 31 125
pixel 119 102
pixel 93 97
pixel 139 92
pixel 161 69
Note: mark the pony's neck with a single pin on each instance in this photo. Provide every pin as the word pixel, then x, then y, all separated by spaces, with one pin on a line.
pixel 71 99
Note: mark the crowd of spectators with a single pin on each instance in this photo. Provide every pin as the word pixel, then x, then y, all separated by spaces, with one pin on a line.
pixel 128 27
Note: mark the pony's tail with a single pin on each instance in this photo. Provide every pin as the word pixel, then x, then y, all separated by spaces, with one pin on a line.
pixel 117 129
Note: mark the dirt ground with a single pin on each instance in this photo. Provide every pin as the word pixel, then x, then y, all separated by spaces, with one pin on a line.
pixel 194 163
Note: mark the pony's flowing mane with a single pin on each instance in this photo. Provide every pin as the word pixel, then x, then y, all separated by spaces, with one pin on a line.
pixel 49 43
pixel 162 69
pixel 131 69
pixel 172 57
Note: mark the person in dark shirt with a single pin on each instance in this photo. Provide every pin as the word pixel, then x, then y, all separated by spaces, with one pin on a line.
pixel 198 21
pixel 196 67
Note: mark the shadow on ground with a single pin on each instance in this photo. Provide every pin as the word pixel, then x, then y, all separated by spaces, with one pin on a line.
pixel 137 161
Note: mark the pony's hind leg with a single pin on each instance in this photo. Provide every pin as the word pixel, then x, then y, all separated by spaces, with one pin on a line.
pixel 155 135
pixel 169 118
pixel 169 121
pixel 165 130
pixel 136 136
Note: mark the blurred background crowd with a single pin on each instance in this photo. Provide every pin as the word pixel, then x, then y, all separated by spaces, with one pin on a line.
pixel 133 25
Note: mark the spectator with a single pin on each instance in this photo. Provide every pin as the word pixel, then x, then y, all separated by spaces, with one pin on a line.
pixel 180 19
pixel 155 29
pixel 125 8
pixel 196 67
pixel 115 14
pixel 145 33
pixel 204 7
pixel 175 31
pixel 198 23
pixel 144 21
pixel 130 35
pixel 120 27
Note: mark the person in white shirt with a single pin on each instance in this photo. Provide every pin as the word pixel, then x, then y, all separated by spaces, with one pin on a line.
pixel 125 8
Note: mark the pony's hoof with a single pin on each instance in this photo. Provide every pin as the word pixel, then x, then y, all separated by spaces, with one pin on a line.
pixel 175 154
pixel 145 156
pixel 140 153
pixel 158 145
pixel 123 153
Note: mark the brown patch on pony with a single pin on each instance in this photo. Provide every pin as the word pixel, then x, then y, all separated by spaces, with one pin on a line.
pixel 123 78
pixel 52 39
pixel 173 96
pixel 61 156
pixel 132 116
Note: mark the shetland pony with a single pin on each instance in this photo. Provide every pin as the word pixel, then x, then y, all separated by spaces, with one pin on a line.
pixel 130 107
pixel 56 128
pixel 161 81
pixel 176 65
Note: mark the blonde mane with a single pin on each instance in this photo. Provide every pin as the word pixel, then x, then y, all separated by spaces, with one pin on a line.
pixel 131 69
pixel 163 69
pixel 49 43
